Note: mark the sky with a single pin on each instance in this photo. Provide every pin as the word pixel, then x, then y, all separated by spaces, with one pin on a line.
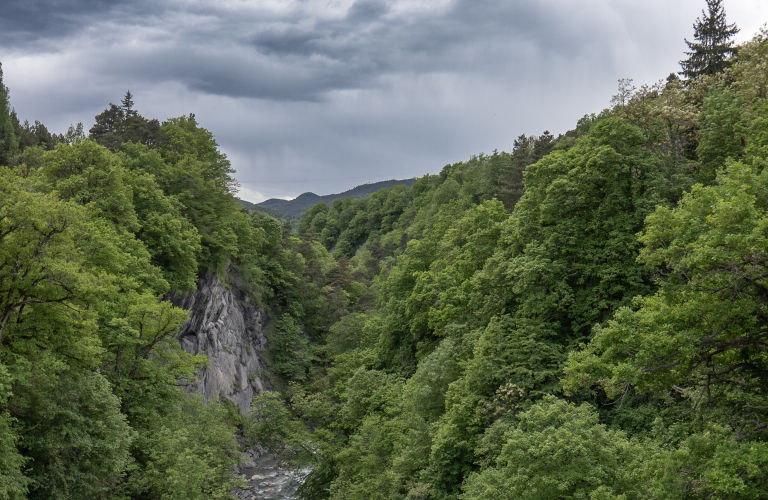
pixel 324 95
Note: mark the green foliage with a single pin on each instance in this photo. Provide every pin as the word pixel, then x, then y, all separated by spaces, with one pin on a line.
pixel 747 73
pixel 198 175
pixel 33 136
pixel 525 151
pixel 184 162
pixel 13 483
pixel 426 390
pixel 712 49
pixel 189 453
pixel 90 406
pixel 721 114
pixel 58 268
pixel 345 334
pixel 120 124
pixel 703 330
pixel 171 239
pixel 52 254
pixel 74 435
pixel 288 348
pixel 436 270
pixel 560 451
pixel 565 258
pixel 350 222
pixel 710 464
pixel 90 175
pixel 271 425
pixel 9 142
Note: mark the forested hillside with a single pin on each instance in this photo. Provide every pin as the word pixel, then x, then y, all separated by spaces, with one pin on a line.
pixel 302 203
pixel 585 316
pixel 276 214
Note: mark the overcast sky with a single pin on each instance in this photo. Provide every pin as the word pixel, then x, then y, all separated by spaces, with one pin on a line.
pixel 323 95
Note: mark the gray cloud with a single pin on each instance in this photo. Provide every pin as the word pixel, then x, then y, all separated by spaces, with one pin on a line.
pixel 297 90
pixel 45 24
pixel 295 54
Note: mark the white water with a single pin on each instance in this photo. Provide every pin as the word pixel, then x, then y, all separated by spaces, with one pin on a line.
pixel 270 480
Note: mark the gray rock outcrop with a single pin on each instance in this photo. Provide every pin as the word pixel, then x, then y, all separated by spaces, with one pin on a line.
pixel 229 329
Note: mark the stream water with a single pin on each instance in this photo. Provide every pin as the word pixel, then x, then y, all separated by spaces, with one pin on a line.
pixel 267 478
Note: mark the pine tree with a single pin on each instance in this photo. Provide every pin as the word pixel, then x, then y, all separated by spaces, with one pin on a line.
pixel 9 143
pixel 109 126
pixel 712 49
pixel 526 151
pixel 127 103
pixel 119 124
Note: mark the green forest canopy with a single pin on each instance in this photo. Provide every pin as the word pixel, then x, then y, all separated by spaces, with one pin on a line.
pixel 581 317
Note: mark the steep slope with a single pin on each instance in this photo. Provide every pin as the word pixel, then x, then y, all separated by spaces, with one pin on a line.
pixel 229 329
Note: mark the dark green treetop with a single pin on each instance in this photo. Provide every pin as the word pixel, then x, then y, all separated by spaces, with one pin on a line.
pixel 526 151
pixel 33 135
pixel 9 143
pixel 119 124
pixel 712 49
pixel 127 103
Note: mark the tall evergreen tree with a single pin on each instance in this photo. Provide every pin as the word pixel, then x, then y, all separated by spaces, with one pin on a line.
pixel 526 151
pixel 9 143
pixel 712 49
pixel 119 124
pixel 127 103
pixel 33 135
pixel 108 129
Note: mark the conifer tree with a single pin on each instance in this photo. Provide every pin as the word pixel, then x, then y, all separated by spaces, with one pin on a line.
pixel 119 124
pixel 9 143
pixel 108 129
pixel 127 103
pixel 526 151
pixel 712 49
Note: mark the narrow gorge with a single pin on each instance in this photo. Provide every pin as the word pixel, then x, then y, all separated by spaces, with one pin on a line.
pixel 226 326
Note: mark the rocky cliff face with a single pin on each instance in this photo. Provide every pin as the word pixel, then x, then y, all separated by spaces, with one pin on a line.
pixel 229 329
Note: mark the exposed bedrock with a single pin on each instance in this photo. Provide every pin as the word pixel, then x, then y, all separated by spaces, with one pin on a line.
pixel 227 327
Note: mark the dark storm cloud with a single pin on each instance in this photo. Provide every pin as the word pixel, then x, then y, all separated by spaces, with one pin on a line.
pixel 26 24
pixel 295 53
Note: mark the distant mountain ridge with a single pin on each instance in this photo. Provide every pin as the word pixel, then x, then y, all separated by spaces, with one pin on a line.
pixel 296 207
pixel 282 216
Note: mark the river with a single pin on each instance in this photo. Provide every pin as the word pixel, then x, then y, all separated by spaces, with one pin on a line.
pixel 266 478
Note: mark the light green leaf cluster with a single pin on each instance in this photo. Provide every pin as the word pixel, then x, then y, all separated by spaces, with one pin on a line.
pixel 561 451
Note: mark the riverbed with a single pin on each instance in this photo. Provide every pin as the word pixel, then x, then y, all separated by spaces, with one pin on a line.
pixel 267 478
